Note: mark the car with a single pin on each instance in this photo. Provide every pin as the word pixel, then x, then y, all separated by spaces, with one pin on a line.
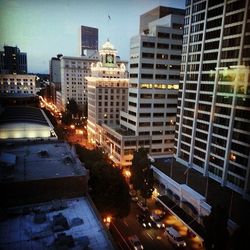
pixel 174 237
pixel 135 242
pixel 144 220
pixel 156 216
pixel 142 206
pixel 133 195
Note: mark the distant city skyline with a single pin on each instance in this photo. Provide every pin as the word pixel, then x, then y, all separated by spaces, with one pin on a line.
pixel 44 28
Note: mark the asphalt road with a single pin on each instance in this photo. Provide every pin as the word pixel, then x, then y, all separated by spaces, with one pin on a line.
pixel 151 239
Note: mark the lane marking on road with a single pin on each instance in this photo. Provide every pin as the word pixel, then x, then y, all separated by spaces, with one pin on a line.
pixel 149 236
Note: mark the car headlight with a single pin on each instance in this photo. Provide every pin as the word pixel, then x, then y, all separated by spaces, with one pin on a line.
pixel 144 224
pixel 149 224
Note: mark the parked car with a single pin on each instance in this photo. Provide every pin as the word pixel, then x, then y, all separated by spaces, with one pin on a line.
pixel 174 237
pixel 135 242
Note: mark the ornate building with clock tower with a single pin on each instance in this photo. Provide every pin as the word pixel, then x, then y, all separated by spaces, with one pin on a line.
pixel 107 92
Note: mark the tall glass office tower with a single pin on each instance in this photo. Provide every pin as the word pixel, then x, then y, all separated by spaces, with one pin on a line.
pixel 213 115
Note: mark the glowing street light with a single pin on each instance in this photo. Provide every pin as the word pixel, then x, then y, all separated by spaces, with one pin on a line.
pixel 107 220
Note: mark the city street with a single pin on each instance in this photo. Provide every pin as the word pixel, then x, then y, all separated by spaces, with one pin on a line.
pixel 150 238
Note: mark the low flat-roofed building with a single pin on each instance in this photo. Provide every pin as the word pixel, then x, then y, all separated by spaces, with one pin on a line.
pixel 14 99
pixel 21 84
pixel 22 123
pixel 42 171
pixel 61 224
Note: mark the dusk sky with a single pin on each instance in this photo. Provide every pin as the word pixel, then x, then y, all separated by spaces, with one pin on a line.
pixel 45 28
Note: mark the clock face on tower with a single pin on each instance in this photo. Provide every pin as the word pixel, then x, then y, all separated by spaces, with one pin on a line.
pixel 109 58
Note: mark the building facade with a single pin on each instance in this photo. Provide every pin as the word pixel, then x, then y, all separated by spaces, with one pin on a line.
pixel 89 40
pixel 12 61
pixel 150 120
pixel 213 124
pixel 107 92
pixel 73 82
pixel 20 84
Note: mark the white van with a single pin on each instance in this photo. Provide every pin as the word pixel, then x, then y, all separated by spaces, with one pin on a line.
pixel 174 237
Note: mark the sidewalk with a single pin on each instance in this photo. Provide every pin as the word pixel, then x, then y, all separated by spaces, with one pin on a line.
pixel 216 194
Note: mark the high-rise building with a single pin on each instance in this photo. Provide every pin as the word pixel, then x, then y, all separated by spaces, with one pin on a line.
pixel 213 120
pixel 73 82
pixel 107 92
pixel 12 61
pixel 55 69
pixel 55 77
pixel 89 40
pixel 155 57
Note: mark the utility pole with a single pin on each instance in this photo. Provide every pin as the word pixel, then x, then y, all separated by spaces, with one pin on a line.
pixel 171 168
pixel 230 205
pixel 206 190
pixel 187 172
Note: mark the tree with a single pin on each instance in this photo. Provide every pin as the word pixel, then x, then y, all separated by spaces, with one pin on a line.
pixel 216 233
pixel 109 190
pixel 72 107
pixel 141 173
pixel 66 118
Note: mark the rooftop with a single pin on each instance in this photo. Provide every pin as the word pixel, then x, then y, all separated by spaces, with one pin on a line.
pixel 23 114
pixel 59 224
pixel 41 161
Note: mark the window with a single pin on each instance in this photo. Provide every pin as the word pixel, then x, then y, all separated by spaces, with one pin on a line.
pixel 162 56
pixel 238 17
pixel 146 96
pixel 161 66
pixel 162 46
pixel 175 57
pixel 198 17
pixel 197 27
pixel 233 30
pixel 160 77
pixel 176 36
pixel 176 47
pixel 235 5
pixel 148 44
pixel 215 12
pixel 147 65
pixel 163 35
pixel 212 34
pixel 214 23
pixel 145 115
pixel 229 54
pixel 145 105
pixel 147 55
pixel 144 124
pixel 212 45
pixel 148 76
pixel 210 56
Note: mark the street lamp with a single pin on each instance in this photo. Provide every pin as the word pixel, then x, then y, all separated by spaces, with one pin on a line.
pixel 107 220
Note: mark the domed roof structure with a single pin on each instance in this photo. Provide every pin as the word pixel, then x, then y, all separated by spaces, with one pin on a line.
pixel 108 45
